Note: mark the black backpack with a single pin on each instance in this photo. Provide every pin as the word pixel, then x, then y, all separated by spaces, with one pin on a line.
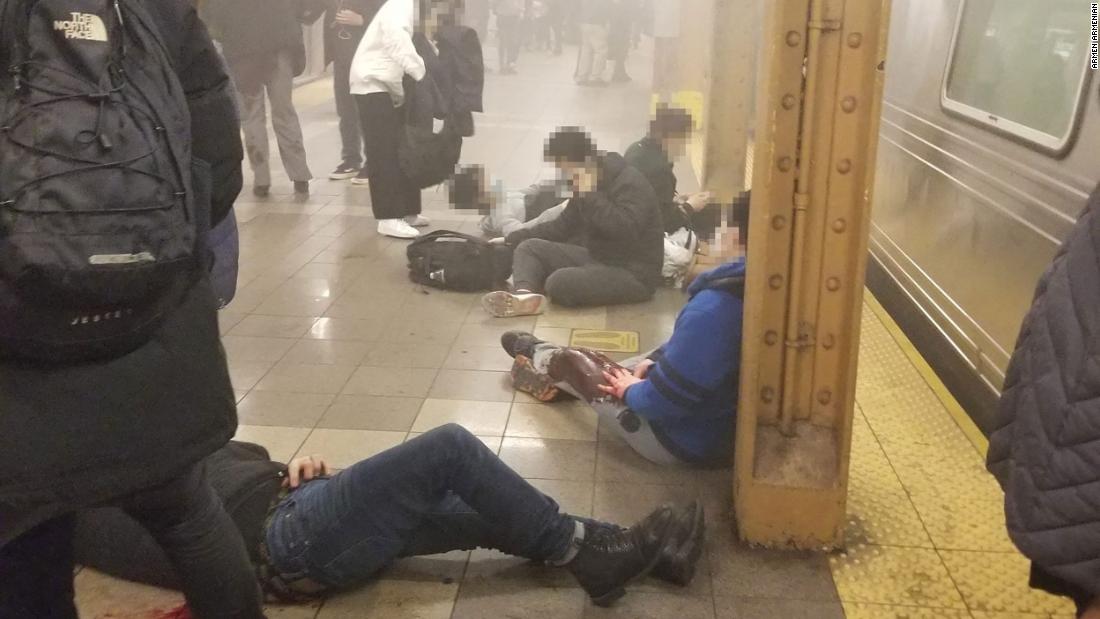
pixel 456 261
pixel 244 478
pixel 101 211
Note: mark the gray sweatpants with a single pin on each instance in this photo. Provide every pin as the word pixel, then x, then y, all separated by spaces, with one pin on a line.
pixel 641 439
pixel 570 276
pixel 253 76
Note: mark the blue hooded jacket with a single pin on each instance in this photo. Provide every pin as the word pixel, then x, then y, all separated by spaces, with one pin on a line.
pixel 689 396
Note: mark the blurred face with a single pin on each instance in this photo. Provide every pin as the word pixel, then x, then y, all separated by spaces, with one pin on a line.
pixel 581 176
pixel 676 146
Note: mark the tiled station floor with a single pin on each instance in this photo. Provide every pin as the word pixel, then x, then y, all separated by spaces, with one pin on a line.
pixel 333 351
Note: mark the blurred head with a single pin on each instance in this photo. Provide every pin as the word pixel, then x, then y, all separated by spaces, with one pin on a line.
pixel 468 189
pixel 672 127
pixel 572 152
pixel 432 14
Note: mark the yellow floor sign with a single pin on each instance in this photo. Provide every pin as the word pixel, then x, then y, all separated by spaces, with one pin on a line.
pixel 607 341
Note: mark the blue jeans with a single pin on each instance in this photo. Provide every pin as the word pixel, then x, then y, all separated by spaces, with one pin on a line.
pixel 441 491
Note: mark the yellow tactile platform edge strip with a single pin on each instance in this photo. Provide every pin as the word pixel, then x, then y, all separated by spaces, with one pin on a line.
pixel 958 414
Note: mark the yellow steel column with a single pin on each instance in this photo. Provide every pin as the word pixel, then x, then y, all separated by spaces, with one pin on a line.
pixel 816 133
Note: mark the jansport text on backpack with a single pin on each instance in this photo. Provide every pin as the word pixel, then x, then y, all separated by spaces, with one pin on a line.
pixel 456 261
pixel 100 219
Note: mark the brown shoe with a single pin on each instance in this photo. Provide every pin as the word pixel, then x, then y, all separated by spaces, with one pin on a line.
pixel 527 379
pixel 583 370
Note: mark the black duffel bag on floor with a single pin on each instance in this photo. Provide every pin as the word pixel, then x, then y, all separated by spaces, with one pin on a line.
pixel 456 261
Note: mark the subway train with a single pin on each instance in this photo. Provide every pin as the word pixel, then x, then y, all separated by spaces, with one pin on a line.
pixel 989 147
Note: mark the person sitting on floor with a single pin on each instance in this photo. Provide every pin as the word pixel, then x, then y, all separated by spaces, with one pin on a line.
pixel 670 132
pixel 441 491
pixel 606 247
pixel 676 405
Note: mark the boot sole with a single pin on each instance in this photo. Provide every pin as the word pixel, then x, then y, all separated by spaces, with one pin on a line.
pixel 529 381
pixel 505 305
pixel 609 598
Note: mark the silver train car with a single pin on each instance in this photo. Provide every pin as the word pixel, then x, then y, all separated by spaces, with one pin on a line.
pixel 989 147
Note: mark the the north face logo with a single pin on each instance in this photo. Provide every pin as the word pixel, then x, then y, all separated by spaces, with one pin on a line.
pixel 86 26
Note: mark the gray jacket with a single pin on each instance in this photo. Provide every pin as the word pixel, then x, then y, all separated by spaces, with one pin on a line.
pixel 1045 449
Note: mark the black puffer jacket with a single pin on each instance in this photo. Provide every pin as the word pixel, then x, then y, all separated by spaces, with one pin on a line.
pixel 1045 450
pixel 77 435
pixel 619 223
pixel 647 156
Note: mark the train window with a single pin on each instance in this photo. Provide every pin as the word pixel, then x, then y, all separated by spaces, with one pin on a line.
pixel 1020 66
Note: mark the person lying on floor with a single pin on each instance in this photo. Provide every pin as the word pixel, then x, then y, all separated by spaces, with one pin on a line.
pixel 606 247
pixel 505 211
pixel 311 534
pixel 676 405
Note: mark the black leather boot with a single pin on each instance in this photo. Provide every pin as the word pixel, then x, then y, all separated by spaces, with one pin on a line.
pixel 681 554
pixel 609 558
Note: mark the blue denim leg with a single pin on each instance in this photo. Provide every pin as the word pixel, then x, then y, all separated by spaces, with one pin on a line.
pixel 443 490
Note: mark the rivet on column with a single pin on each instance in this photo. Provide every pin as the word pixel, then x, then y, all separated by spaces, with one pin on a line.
pixel 824 396
pixel 770 338
pixel 778 222
pixel 844 166
pixel 785 164
pixel 855 40
pixel 794 38
pixel 775 282
pixel 788 101
pixel 828 341
pixel 839 225
pixel 767 394
pixel 848 104
pixel 832 284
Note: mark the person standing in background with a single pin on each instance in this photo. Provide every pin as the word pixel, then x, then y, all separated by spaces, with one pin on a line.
pixel 385 55
pixel 509 33
pixel 345 22
pixel 263 46
pixel 621 29
pixel 592 58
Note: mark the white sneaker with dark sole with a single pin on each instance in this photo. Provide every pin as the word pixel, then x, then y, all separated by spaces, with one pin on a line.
pixel 503 304
pixel 397 228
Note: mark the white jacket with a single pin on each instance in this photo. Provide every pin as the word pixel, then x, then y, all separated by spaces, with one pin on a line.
pixel 386 52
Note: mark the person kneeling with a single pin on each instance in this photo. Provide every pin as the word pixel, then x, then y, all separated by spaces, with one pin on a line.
pixel 442 491
pixel 676 405
pixel 606 246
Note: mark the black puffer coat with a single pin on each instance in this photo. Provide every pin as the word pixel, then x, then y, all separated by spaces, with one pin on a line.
pixel 1045 450
pixel 619 223
pixel 77 435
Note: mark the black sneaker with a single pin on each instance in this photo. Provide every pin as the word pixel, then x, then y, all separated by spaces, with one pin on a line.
pixel 681 554
pixel 261 191
pixel 519 343
pixel 610 558
pixel 343 172
pixel 301 188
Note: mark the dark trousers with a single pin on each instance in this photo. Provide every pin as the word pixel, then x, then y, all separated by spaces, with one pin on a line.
pixel 441 491
pixel 351 139
pixel 392 194
pixel 572 277
pixel 184 516
pixel 509 39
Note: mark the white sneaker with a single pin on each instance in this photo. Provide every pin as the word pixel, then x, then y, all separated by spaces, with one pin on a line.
pixel 502 304
pixel 418 221
pixel 397 228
